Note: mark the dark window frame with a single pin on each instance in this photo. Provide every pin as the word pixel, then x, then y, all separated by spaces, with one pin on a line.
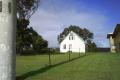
pixel 71 37
pixel 0 6
pixel 64 46
pixel 9 7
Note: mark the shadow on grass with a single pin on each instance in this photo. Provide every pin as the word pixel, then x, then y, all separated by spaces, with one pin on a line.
pixel 44 69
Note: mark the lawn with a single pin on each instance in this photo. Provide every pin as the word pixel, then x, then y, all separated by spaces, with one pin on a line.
pixel 99 66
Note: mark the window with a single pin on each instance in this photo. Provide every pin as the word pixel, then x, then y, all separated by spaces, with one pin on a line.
pixel 64 46
pixel 0 6
pixel 9 7
pixel 71 37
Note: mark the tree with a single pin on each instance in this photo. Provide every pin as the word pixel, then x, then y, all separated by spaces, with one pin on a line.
pixel 26 8
pixel 91 46
pixel 30 40
pixel 22 37
pixel 27 37
pixel 83 32
pixel 40 44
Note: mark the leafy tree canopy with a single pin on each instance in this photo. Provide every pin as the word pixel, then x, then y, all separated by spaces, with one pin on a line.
pixel 83 32
pixel 27 38
pixel 26 8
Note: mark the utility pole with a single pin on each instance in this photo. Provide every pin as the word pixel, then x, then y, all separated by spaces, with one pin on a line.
pixel 7 39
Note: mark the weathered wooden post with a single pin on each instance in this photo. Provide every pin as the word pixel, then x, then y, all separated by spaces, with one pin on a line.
pixel 49 58
pixel 7 39
pixel 69 54
pixel 79 52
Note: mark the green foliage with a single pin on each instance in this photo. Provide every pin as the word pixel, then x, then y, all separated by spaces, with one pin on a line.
pixel 26 8
pixel 82 32
pixel 91 46
pixel 40 43
pixel 27 39
pixel 22 37
pixel 54 50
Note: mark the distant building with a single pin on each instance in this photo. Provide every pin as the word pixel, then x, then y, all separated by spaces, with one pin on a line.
pixel 114 39
pixel 72 42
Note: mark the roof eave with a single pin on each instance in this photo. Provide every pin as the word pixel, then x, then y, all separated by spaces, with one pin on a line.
pixel 117 29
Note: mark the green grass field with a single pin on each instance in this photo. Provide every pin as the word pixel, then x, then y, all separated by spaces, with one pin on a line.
pixel 99 66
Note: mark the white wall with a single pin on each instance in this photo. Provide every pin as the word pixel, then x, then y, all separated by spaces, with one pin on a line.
pixel 78 44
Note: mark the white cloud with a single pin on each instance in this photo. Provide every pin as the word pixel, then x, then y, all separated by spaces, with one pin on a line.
pixel 50 24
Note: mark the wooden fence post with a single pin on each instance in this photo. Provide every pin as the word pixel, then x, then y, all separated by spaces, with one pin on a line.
pixel 79 52
pixel 69 55
pixel 49 58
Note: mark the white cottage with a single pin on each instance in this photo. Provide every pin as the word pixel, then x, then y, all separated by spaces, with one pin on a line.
pixel 72 42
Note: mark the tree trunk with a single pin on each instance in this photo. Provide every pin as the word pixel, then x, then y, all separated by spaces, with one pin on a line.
pixel 7 40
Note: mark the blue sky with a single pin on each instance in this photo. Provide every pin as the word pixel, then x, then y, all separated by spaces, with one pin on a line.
pixel 99 16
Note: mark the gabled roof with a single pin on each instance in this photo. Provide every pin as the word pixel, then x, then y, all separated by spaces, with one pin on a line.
pixel 77 35
pixel 73 33
pixel 116 31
